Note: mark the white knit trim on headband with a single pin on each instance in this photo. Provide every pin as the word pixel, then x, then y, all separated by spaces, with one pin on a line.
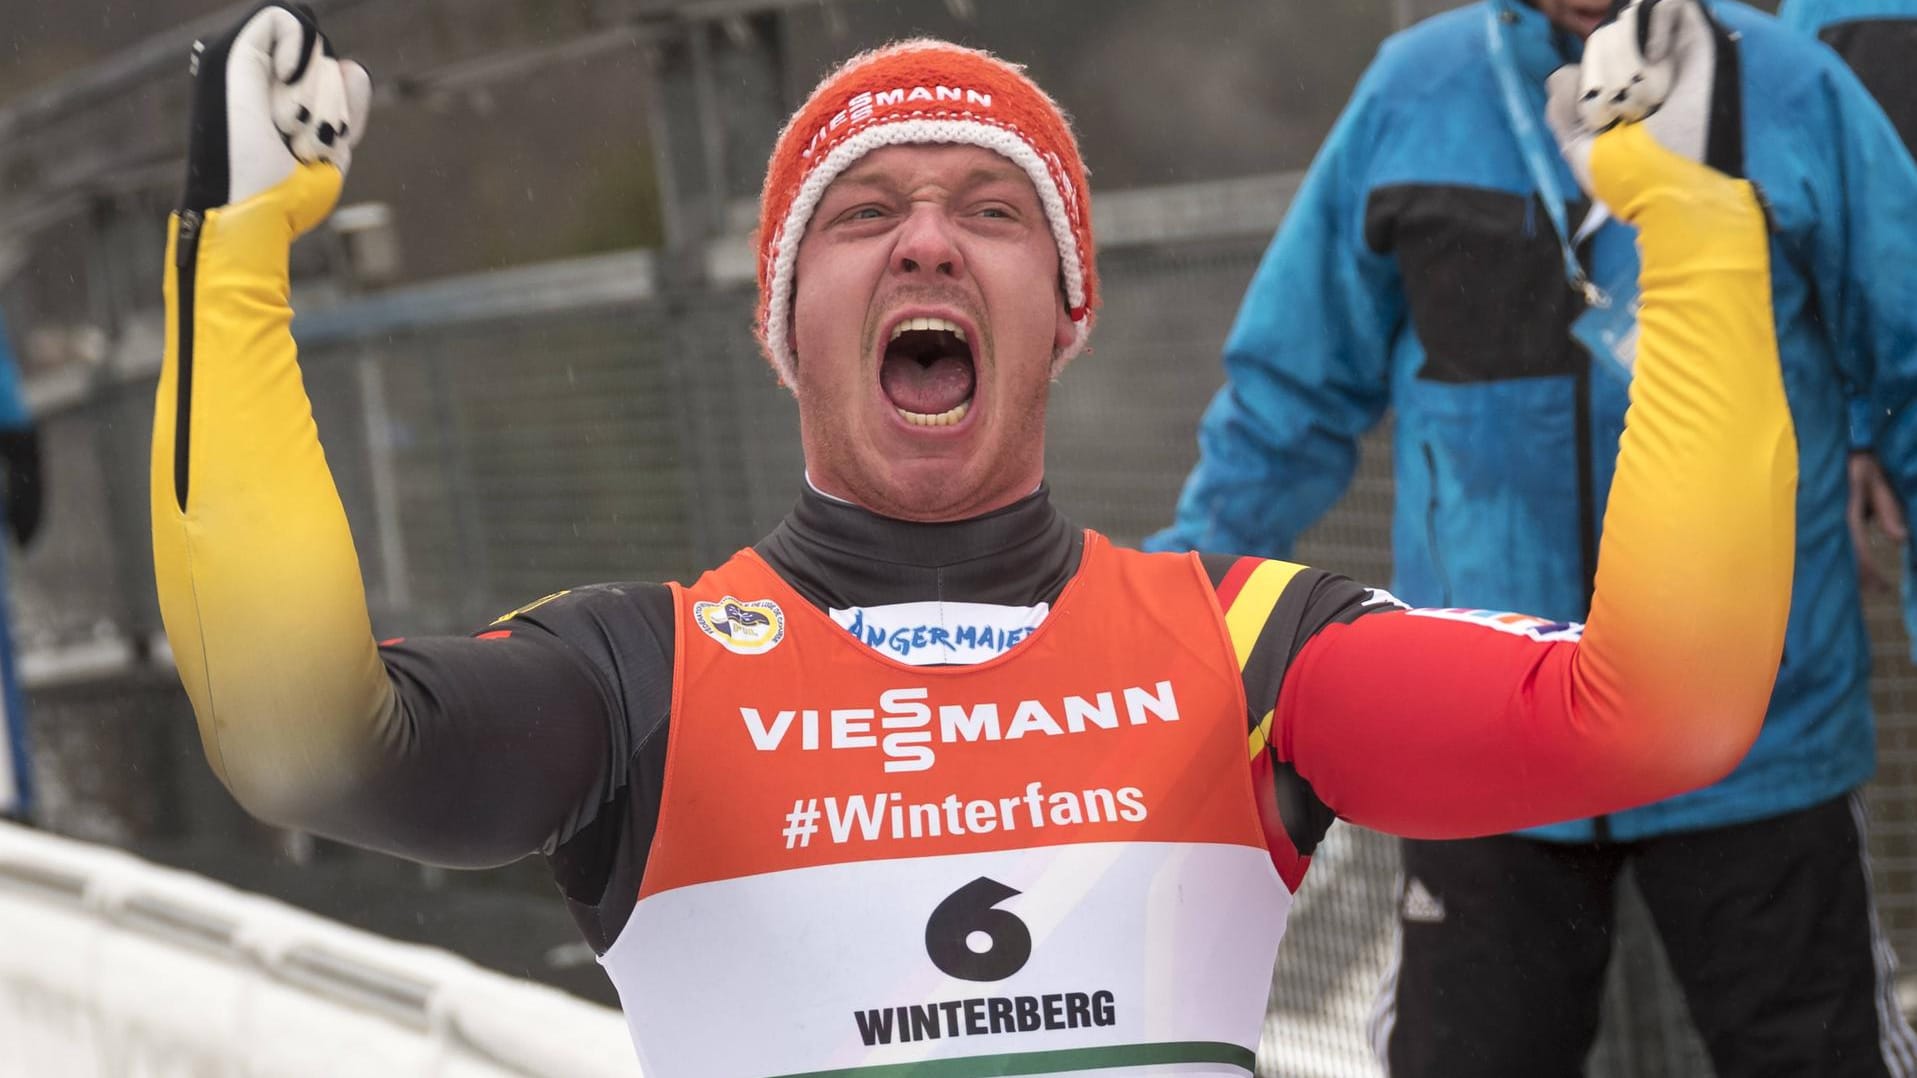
pixel 1002 141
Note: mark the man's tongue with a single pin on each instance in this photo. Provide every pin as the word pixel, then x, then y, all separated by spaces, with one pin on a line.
pixel 927 388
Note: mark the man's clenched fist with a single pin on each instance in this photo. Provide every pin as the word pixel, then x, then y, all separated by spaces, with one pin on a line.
pixel 1664 63
pixel 268 96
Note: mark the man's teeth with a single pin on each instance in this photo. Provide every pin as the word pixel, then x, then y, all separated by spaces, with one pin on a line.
pixel 947 418
pixel 943 419
pixel 926 323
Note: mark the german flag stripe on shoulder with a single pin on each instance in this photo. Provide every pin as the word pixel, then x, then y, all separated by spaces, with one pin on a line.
pixel 1271 610
pixel 1248 593
pixel 1264 625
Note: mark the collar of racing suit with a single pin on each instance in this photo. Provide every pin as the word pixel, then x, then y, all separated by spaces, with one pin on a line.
pixel 839 555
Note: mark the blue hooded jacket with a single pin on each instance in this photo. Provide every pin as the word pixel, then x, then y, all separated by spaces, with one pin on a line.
pixel 1416 271
pixel 16 795
pixel 14 413
pixel 1878 39
pixel 1812 16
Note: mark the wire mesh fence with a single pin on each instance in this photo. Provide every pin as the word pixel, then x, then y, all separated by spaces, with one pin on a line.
pixel 487 462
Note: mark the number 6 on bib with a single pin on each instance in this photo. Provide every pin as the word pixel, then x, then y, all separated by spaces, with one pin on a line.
pixel 969 910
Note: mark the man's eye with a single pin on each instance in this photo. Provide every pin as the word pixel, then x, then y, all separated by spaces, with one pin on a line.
pixel 864 213
pixel 996 211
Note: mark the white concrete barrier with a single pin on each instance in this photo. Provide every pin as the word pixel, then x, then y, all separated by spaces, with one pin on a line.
pixel 110 966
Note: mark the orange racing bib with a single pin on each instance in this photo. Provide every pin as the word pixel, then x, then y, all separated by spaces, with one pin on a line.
pixel 1050 862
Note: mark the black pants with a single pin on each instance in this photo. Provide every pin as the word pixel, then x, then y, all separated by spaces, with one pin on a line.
pixel 1768 925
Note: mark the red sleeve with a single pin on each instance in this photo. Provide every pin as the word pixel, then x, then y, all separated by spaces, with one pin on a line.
pixel 1438 725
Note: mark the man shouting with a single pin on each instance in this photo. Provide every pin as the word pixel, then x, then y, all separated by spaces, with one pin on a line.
pixel 1061 832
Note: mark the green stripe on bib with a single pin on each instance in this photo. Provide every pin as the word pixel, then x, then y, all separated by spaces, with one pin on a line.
pixel 1072 1059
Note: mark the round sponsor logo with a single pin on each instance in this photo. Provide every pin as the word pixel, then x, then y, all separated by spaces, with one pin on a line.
pixel 744 627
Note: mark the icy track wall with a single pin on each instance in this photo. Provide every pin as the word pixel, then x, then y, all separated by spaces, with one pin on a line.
pixel 110 966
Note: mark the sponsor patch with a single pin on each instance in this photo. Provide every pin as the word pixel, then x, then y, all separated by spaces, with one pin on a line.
pixel 1505 622
pixel 904 723
pixel 743 627
pixel 941 633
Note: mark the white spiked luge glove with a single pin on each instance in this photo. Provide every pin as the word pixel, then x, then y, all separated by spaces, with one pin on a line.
pixel 1664 63
pixel 269 95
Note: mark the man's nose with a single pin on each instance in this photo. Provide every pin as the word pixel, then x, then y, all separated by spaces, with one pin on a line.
pixel 927 245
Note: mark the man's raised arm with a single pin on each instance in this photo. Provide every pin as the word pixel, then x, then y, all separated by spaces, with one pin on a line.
pixel 452 756
pixel 1435 724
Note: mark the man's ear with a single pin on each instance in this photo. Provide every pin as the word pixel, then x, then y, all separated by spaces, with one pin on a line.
pixel 1067 330
pixel 792 337
pixel 1064 332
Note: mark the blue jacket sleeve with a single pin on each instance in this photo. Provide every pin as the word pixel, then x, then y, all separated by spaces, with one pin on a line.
pixel 1803 15
pixel 1861 272
pixel 1305 363
pixel 21 486
pixel 14 414
pixel 1811 16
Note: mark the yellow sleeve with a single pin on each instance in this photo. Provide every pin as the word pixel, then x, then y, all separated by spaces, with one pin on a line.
pixel 1694 571
pixel 259 584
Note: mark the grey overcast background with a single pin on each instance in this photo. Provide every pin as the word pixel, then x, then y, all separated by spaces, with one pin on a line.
pixel 558 163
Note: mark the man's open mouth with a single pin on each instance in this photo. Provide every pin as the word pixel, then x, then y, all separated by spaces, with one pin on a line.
pixel 927 372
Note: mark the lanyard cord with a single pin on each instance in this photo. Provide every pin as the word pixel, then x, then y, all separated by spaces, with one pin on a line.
pixel 1531 144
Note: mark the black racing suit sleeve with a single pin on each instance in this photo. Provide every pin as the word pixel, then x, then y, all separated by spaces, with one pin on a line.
pixel 598 864
pixel 515 739
pixel 1312 600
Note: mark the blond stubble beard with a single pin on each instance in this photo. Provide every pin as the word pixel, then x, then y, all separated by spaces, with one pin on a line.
pixel 830 440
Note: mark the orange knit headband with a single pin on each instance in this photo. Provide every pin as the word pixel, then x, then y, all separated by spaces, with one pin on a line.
pixel 920 91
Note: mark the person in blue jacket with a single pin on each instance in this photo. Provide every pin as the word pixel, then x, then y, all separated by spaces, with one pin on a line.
pixel 20 501
pixel 1878 39
pixel 1439 263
